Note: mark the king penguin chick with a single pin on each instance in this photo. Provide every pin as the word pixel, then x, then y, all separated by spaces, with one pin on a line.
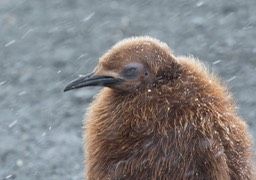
pixel 161 117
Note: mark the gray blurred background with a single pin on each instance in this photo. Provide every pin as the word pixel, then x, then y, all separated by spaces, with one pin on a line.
pixel 46 43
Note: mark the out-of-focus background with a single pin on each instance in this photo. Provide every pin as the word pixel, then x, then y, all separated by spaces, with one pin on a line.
pixel 45 44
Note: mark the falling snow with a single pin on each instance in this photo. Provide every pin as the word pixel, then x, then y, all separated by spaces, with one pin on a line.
pixel 88 17
pixel 81 56
pixel 19 163
pixel 200 3
pixel 27 33
pixel 12 124
pixel 10 43
pixel 231 79
pixel 216 62
pixel 2 83
pixel 22 93
pixel 10 177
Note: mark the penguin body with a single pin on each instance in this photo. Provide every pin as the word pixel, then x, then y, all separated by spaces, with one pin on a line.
pixel 161 117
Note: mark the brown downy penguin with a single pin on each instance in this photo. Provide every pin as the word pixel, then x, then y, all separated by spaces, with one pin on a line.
pixel 161 117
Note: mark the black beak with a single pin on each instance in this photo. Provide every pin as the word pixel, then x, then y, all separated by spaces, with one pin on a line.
pixel 91 80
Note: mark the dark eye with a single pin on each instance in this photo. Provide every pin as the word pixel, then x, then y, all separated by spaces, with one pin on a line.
pixel 130 72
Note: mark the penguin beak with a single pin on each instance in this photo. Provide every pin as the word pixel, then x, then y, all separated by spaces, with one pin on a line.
pixel 91 80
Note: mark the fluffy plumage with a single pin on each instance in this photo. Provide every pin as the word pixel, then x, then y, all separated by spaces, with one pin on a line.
pixel 165 117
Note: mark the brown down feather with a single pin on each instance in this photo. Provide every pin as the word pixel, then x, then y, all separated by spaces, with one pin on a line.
pixel 180 123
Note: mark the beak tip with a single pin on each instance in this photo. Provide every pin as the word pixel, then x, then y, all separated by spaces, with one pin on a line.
pixel 67 88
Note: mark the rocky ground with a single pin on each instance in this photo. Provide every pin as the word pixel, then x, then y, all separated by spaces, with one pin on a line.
pixel 45 44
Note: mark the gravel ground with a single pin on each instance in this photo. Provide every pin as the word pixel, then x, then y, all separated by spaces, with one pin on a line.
pixel 45 44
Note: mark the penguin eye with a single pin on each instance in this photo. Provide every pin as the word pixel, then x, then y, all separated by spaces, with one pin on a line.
pixel 130 72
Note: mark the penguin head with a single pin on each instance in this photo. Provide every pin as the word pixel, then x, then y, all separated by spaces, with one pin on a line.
pixel 129 65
